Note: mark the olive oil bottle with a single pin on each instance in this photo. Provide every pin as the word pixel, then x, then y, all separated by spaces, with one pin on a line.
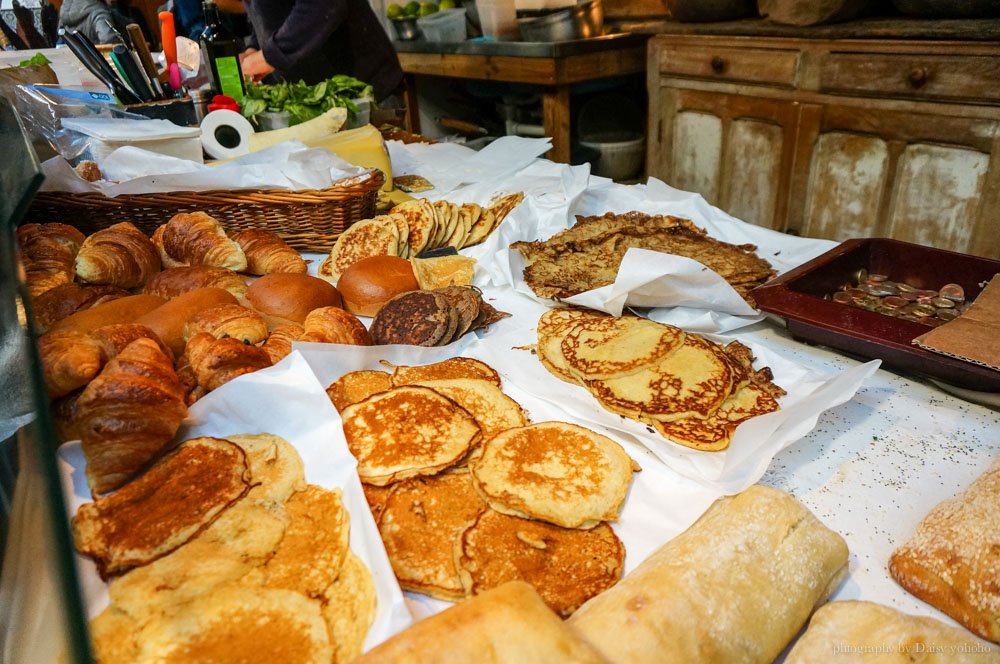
pixel 221 51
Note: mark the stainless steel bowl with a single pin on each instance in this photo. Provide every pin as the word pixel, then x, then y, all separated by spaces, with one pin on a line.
pixel 406 28
pixel 578 22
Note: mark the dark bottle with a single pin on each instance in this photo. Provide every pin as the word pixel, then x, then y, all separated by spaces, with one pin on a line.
pixel 221 50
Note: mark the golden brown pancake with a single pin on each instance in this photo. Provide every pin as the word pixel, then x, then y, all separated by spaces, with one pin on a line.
pixel 357 386
pixel 240 624
pixel 349 605
pixel 447 218
pixel 481 228
pixel 693 381
pixel 565 565
pixel 275 466
pixel 552 328
pixel 493 410
pixel 407 431
pixel 161 510
pixel 376 496
pixel 419 220
pixel 422 519
pixel 607 347
pixel 113 636
pixel 560 473
pixel 455 367
pixel 715 432
pixel 311 553
pixel 368 237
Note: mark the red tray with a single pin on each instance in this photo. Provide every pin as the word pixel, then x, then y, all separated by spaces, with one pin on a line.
pixel 797 296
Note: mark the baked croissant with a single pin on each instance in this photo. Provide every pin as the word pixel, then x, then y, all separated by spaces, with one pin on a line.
pixel 128 414
pixel 57 303
pixel 267 253
pixel 70 359
pixel 120 255
pixel 228 320
pixel 194 238
pixel 333 325
pixel 179 280
pixel 279 344
pixel 64 417
pixel 217 361
pixel 113 339
pixel 48 252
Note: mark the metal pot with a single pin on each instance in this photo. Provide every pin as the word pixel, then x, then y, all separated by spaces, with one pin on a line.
pixel 578 22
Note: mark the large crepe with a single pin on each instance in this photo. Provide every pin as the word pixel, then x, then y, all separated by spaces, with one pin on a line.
pixel 735 587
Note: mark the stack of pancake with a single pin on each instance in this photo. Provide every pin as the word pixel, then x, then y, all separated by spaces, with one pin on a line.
pixel 467 495
pixel 413 227
pixel 692 391
pixel 231 556
pixel 433 317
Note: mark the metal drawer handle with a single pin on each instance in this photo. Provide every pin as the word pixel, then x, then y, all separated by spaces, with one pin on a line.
pixel 918 76
pixel 718 64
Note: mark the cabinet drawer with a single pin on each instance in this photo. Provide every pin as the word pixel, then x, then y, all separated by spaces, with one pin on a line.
pixel 751 65
pixel 927 76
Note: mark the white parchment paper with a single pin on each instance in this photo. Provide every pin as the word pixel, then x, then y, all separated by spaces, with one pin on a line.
pixel 285 400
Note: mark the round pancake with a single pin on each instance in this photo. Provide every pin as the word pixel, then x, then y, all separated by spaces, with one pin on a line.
pixel 368 237
pixel 417 318
pixel 423 517
pixel 693 381
pixel 552 328
pixel 466 301
pixel 311 553
pixel 606 347
pixel 165 507
pixel 565 565
pixel 407 431
pixel 455 367
pixel 493 410
pixel 420 222
pixel 463 225
pixel 481 228
pixel 357 386
pixel 403 230
pixel 714 433
pixel 447 216
pixel 240 624
pixel 376 497
pixel 556 472
pixel 502 207
pixel 113 635
pixel 275 466
pixel 349 605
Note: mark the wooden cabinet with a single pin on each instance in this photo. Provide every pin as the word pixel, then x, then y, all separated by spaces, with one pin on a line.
pixel 834 139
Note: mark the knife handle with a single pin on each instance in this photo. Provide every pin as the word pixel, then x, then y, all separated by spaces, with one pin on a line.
pixel 168 35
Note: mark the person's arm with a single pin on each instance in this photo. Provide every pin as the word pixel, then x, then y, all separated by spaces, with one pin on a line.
pixel 305 30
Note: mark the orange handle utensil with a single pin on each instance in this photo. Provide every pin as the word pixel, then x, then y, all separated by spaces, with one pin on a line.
pixel 168 35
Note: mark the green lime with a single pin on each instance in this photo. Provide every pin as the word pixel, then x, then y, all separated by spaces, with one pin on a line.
pixel 428 8
pixel 412 8
pixel 393 11
pixel 446 4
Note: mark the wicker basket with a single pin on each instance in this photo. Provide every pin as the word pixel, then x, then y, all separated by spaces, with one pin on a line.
pixel 308 220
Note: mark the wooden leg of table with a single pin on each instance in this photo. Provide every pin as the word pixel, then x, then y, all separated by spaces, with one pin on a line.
pixel 555 114
pixel 410 97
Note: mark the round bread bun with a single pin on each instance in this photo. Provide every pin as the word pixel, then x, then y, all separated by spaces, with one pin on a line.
pixel 373 281
pixel 284 298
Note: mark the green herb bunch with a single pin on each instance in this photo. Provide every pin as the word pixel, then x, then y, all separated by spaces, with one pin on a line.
pixel 304 102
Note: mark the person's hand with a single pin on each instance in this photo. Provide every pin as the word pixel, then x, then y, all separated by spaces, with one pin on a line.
pixel 254 65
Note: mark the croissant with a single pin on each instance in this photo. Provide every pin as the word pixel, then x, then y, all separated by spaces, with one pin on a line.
pixel 113 339
pixel 128 414
pixel 57 303
pixel 194 238
pixel 120 255
pixel 70 359
pixel 48 252
pixel 189 382
pixel 179 280
pixel 64 417
pixel 228 320
pixel 217 361
pixel 279 344
pixel 267 253
pixel 333 325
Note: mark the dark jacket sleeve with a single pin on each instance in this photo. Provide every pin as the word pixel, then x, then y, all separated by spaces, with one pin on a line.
pixel 304 31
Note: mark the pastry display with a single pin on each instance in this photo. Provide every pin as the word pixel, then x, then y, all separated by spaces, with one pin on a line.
pixel 951 561
pixel 587 255
pixel 735 586
pixel 689 389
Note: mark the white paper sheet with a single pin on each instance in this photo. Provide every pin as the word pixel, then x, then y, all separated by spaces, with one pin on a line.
pixel 287 401
pixel 288 165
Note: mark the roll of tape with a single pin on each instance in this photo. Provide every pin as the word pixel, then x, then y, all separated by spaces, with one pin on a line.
pixel 225 134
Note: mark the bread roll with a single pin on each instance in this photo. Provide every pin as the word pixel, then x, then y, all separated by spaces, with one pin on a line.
pixel 123 310
pixel 371 282
pixel 734 587
pixel 507 625
pixel 288 298
pixel 168 321
pixel 856 632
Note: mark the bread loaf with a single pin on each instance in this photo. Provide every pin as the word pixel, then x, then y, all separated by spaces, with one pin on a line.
pixel 734 587
pixel 288 298
pixel 267 253
pixel 123 310
pixel 179 280
pixel 168 321
pixel 333 325
pixel 195 238
pixel 371 282
pixel 120 255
